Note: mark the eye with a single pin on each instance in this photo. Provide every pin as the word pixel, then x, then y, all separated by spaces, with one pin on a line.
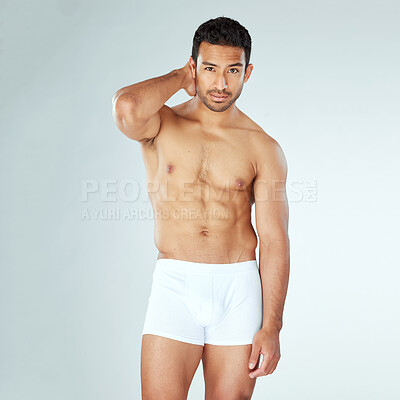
pixel 208 69
pixel 234 69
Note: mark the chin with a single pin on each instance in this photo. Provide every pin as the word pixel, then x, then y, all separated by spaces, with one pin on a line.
pixel 221 108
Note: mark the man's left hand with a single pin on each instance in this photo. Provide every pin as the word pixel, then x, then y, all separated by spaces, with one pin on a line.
pixel 265 342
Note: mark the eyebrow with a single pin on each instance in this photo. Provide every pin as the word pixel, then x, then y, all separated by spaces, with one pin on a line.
pixel 215 65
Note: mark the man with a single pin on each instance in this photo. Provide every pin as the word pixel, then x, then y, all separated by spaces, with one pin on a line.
pixel 207 163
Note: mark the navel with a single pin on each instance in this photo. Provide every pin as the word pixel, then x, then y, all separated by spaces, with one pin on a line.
pixel 204 232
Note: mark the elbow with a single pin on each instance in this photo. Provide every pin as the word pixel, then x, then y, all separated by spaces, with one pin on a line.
pixel 125 112
pixel 123 104
pixel 126 116
pixel 282 239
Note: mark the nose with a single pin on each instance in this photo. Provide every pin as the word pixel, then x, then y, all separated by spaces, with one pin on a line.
pixel 220 82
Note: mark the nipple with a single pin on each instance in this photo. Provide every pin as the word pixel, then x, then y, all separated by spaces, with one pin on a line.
pixel 170 168
pixel 239 182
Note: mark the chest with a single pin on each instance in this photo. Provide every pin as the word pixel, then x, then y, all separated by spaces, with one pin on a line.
pixel 194 157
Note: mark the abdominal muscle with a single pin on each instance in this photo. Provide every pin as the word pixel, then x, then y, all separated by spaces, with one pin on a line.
pixel 211 233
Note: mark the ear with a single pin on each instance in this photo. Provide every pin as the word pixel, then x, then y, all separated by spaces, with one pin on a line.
pixel 249 69
pixel 192 66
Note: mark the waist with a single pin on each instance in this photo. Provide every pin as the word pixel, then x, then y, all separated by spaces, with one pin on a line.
pixel 207 268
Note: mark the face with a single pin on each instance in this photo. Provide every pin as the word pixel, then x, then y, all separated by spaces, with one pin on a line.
pixel 220 75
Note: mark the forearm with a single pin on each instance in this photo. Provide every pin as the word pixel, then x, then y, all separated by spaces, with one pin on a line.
pixel 147 97
pixel 274 260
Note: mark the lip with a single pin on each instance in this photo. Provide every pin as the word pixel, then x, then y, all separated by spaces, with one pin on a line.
pixel 218 98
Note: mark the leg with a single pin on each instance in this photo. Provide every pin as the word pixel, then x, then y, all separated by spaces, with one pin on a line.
pixel 226 372
pixel 172 339
pixel 167 367
pixel 228 341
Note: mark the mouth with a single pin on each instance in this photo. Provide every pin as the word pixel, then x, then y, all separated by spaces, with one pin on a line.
pixel 218 98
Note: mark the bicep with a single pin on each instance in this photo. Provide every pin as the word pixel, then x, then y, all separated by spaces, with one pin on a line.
pixel 133 126
pixel 271 204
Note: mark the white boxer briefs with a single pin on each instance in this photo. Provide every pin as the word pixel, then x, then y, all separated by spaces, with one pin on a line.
pixel 200 303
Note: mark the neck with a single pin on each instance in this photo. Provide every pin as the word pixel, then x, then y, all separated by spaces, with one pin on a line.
pixel 212 119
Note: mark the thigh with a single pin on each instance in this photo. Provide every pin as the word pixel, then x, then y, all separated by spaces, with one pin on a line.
pixel 168 312
pixel 242 315
pixel 226 372
pixel 167 367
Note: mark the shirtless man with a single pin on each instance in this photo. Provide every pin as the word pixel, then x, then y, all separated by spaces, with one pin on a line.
pixel 207 163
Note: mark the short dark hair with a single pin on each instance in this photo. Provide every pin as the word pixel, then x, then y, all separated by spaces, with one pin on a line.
pixel 223 31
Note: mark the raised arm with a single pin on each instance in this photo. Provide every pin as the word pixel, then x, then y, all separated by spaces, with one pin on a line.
pixel 138 109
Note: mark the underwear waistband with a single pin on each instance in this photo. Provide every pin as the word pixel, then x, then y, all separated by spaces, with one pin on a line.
pixel 207 268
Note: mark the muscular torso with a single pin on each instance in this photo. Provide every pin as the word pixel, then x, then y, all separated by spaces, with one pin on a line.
pixel 200 184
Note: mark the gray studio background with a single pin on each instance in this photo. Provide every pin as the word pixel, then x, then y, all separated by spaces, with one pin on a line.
pixel 76 275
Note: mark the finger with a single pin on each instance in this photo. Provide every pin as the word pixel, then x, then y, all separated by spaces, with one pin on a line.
pixel 255 364
pixel 271 369
pixel 273 365
pixel 254 356
pixel 264 364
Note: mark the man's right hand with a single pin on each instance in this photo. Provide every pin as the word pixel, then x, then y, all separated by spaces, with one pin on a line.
pixel 188 80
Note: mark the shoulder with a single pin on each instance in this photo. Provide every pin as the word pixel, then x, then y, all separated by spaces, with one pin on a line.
pixel 167 113
pixel 171 114
pixel 174 113
pixel 165 118
pixel 268 153
pixel 257 135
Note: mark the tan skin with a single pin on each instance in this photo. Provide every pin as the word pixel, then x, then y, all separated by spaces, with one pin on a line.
pixel 207 163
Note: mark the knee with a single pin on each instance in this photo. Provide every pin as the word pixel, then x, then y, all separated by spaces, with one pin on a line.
pixel 230 395
pixel 165 395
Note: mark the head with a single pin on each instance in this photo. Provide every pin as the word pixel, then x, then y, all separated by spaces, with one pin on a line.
pixel 220 61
